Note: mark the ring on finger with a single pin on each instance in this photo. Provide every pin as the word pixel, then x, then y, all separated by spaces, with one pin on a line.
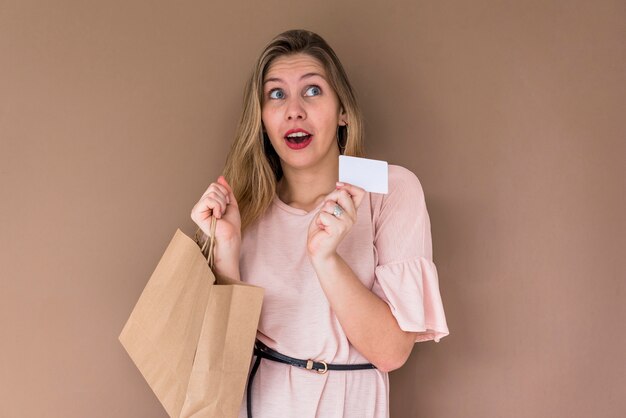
pixel 337 211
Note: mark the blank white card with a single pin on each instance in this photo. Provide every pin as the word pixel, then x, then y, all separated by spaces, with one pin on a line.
pixel 371 175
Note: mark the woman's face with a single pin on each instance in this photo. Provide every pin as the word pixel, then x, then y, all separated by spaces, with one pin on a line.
pixel 301 112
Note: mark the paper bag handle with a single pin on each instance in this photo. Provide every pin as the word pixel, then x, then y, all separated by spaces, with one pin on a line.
pixel 208 248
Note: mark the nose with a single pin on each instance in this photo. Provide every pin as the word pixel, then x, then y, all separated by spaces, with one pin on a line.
pixel 295 109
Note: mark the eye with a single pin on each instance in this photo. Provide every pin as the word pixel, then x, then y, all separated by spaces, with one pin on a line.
pixel 313 91
pixel 276 94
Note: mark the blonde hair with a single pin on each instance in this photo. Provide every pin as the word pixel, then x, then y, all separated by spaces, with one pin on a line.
pixel 253 166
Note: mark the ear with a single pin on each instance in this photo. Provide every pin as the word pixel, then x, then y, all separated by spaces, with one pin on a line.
pixel 343 117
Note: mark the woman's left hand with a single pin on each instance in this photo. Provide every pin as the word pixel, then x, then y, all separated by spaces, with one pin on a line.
pixel 326 230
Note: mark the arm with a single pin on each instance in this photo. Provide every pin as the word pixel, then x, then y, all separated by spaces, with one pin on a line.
pixel 219 201
pixel 365 318
pixel 227 260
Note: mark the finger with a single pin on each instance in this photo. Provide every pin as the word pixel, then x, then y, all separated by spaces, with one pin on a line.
pixel 356 192
pixel 347 203
pixel 202 211
pixel 343 199
pixel 329 207
pixel 314 224
pixel 330 223
pixel 318 221
pixel 218 196
pixel 216 187
pixel 229 190
pixel 212 204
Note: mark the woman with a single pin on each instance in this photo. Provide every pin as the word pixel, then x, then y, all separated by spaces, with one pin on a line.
pixel 348 275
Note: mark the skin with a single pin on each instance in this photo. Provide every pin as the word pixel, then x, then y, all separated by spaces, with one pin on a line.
pixel 292 98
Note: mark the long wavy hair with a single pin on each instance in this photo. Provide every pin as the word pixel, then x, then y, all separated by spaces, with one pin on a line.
pixel 253 167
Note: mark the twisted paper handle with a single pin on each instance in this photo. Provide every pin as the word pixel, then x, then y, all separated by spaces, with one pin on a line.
pixel 208 248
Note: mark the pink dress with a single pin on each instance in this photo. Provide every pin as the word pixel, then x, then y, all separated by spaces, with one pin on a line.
pixel 390 250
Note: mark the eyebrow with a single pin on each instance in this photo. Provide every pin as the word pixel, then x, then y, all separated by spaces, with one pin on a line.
pixel 307 75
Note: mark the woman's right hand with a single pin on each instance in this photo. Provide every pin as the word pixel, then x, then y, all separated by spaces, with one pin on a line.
pixel 219 201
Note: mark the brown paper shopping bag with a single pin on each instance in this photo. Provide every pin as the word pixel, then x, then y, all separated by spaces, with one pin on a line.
pixel 192 337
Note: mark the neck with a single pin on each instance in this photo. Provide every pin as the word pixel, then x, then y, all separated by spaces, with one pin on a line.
pixel 305 188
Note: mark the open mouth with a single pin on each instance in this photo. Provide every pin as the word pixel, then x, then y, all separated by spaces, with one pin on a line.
pixel 298 139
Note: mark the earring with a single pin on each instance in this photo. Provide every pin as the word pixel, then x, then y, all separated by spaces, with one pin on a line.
pixel 342 148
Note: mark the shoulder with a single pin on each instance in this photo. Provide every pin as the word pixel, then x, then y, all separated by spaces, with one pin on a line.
pixel 401 178
pixel 405 193
pixel 402 183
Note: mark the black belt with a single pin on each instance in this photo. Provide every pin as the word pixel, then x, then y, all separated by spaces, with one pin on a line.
pixel 321 367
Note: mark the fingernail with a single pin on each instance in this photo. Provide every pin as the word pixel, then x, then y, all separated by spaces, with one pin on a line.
pixel 340 184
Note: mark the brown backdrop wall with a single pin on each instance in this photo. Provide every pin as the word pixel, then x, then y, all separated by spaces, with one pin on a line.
pixel 115 116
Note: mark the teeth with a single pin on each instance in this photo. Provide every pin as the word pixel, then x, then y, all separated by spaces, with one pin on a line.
pixel 297 135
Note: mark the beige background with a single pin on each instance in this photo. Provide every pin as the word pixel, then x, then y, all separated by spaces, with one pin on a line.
pixel 115 116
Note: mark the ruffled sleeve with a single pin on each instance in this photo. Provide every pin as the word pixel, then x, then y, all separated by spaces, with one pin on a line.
pixel 406 277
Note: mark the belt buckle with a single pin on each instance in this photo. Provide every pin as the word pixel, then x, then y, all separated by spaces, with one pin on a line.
pixel 309 366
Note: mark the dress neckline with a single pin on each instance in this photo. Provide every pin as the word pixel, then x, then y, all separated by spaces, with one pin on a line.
pixel 295 211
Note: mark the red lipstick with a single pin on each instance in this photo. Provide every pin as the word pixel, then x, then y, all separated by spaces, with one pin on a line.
pixel 298 138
